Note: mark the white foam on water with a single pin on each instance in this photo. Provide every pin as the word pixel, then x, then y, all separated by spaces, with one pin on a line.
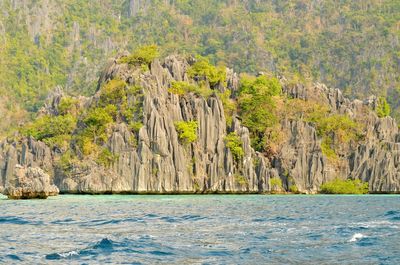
pixel 357 237
pixel 69 254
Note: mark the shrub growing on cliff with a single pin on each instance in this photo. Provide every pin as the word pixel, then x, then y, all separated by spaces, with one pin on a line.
pixel 234 143
pixel 340 128
pixel 257 106
pixel 203 69
pixel 106 158
pixel 97 120
pixel 293 188
pixel 276 184
pixel 334 129
pixel 51 126
pixel 142 56
pixel 68 105
pixel 187 131
pixel 113 92
pixel 181 88
pixel 382 108
pixel 349 186
pixel 66 161
pixel 100 117
pixel 229 106
pixel 344 128
pixel 241 180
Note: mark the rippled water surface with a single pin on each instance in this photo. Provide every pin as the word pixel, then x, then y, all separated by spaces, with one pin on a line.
pixel 201 230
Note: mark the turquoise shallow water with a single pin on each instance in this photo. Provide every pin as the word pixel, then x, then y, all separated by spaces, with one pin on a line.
pixel 243 229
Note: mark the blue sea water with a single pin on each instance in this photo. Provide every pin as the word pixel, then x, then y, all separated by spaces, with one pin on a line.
pixel 231 229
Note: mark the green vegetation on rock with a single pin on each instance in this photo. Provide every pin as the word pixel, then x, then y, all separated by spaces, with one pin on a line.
pixel 181 88
pixel 53 130
pixel 234 143
pixel 293 188
pixel 336 130
pixel 106 158
pixel 203 69
pixel 276 184
pixel 113 92
pixel 241 180
pixel 349 186
pixel 257 106
pixel 187 131
pixel 230 106
pixel 383 108
pixel 142 56
pixel 68 105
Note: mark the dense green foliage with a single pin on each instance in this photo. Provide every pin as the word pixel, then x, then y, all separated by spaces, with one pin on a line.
pixel 53 130
pixel 187 131
pixel 234 143
pixel 276 184
pixel 383 108
pixel 203 69
pixel 257 106
pixel 352 45
pixel 142 56
pixel 113 92
pixel 68 105
pixel 293 188
pixel 97 120
pixel 230 106
pixel 127 101
pixel 341 127
pixel 349 186
pixel 181 88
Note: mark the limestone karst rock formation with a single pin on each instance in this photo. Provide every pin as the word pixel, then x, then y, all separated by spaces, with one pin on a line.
pixel 158 162
pixel 29 183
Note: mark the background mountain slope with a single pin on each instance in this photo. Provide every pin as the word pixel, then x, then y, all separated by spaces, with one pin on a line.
pixel 352 45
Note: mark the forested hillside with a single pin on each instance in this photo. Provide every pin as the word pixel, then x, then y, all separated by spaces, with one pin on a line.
pixel 352 45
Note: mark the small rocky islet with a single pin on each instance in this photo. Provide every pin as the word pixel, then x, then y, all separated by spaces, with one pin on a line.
pixel 179 125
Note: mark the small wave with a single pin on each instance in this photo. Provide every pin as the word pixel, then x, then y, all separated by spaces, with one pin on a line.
pixel 62 222
pixel 357 237
pixel 104 245
pixel 99 222
pixel 260 220
pixel 13 257
pixel 161 253
pixel 151 215
pixel 169 219
pixel 393 215
pixel 13 220
pixel 282 218
pixel 193 217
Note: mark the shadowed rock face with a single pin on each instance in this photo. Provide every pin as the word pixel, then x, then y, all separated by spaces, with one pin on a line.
pixel 160 163
pixel 29 183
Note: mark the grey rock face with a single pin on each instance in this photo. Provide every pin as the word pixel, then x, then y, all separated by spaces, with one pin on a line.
pixel 154 160
pixel 29 183
pixel 375 160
